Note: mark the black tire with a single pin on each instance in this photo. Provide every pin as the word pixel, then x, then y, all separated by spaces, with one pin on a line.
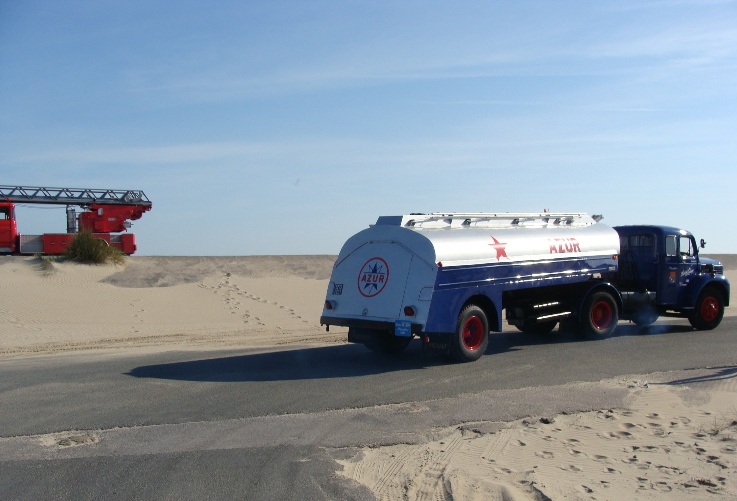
pixel 471 337
pixel 645 316
pixel 708 310
pixel 600 315
pixel 538 329
pixel 387 343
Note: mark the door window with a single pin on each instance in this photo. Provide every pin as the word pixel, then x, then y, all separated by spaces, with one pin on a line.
pixel 671 248
pixel 686 247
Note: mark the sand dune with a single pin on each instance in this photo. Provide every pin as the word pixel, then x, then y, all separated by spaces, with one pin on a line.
pixel 161 303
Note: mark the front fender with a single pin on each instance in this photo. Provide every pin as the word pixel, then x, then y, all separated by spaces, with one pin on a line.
pixel 700 282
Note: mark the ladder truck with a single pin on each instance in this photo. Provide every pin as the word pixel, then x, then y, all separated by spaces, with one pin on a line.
pixel 106 214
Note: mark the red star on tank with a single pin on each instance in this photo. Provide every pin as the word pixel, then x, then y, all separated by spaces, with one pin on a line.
pixel 499 247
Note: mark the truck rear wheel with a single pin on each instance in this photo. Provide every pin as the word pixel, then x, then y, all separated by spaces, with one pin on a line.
pixel 471 337
pixel 600 315
pixel 708 311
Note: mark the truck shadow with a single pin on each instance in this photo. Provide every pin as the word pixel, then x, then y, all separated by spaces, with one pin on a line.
pixel 721 375
pixel 351 360
pixel 324 362
pixel 510 340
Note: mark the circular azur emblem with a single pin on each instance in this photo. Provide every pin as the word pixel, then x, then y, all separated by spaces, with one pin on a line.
pixel 373 277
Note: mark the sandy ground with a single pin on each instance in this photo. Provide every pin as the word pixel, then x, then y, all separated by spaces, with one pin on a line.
pixel 664 445
pixel 668 443
pixel 162 303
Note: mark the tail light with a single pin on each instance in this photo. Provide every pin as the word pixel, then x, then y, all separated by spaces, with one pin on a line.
pixel 330 305
pixel 409 311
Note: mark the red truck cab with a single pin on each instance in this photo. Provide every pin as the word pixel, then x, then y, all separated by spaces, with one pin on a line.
pixel 8 228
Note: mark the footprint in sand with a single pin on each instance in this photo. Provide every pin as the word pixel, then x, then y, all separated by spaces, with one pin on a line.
pixel 571 467
pixel 728 449
pixel 662 487
pixel 606 415
pixel 617 435
pixel 680 421
pixel 503 470
pixel 669 470
pixel 545 454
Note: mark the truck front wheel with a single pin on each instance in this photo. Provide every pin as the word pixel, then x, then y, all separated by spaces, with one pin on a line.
pixel 471 337
pixel 708 310
pixel 600 315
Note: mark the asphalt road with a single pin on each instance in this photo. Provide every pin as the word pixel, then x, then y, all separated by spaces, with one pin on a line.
pixel 259 424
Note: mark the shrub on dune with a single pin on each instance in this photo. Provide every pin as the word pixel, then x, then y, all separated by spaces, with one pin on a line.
pixel 85 248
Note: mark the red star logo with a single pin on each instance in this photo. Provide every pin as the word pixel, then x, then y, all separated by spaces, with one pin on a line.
pixel 499 248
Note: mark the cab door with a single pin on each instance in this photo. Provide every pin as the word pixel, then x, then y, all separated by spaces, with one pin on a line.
pixel 679 267
pixel 8 230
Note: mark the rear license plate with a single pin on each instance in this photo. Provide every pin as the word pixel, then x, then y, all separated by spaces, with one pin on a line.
pixel 402 328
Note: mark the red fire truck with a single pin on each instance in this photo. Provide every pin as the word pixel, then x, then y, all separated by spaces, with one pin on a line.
pixel 106 213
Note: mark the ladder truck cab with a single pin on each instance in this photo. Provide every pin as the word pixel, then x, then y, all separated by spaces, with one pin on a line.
pixel 107 214
pixel 451 278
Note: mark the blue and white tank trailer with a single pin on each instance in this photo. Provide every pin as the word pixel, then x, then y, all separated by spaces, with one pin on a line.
pixel 449 278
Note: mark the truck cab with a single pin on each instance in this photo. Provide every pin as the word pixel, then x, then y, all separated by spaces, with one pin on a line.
pixel 8 228
pixel 661 274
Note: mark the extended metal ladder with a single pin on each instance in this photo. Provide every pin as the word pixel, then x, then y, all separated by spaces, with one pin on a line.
pixel 72 196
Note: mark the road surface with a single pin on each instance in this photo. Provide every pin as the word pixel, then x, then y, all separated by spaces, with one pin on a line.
pixel 269 424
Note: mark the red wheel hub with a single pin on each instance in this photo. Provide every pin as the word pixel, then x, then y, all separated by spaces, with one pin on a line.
pixel 473 333
pixel 710 309
pixel 601 315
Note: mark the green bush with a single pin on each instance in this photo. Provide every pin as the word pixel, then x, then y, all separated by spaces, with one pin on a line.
pixel 85 248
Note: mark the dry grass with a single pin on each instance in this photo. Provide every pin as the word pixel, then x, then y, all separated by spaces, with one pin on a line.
pixel 85 248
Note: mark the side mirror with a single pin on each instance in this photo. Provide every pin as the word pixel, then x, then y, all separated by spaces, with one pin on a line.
pixel 702 243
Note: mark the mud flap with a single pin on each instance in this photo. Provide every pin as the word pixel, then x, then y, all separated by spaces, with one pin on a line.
pixel 436 341
pixel 363 336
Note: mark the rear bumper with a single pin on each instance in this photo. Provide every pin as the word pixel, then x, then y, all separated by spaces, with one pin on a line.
pixel 363 324
pixel 362 331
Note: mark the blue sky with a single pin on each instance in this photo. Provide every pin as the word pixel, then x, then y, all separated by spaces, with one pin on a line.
pixel 283 127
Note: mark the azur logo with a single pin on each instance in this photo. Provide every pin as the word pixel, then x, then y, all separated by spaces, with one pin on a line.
pixel 373 277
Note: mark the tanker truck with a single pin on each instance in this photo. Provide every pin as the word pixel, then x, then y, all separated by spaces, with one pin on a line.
pixel 451 278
